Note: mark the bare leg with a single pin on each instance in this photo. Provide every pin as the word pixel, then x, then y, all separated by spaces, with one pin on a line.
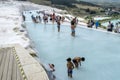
pixel 70 75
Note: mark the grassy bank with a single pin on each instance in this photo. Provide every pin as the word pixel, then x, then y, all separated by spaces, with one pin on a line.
pixel 42 2
pixel 80 9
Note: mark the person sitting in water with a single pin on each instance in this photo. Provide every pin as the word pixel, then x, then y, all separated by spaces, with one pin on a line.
pixel 77 61
pixel 70 67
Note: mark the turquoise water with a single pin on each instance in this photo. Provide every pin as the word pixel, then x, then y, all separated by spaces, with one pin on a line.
pixel 101 50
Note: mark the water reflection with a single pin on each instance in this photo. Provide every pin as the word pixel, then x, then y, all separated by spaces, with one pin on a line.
pixel 53 27
pixel 44 29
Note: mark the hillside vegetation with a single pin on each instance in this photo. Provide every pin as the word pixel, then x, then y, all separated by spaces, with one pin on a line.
pixel 80 8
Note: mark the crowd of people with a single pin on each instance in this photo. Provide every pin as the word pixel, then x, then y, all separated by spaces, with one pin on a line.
pixel 53 18
pixel 111 27
pixel 60 19
pixel 71 64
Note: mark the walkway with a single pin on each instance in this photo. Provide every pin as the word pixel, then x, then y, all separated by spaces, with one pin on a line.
pixel 17 64
pixel 9 69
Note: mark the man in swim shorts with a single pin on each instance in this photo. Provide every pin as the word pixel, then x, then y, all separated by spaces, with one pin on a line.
pixel 77 61
pixel 70 67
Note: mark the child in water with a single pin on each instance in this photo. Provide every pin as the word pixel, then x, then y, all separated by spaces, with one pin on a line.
pixel 70 67
pixel 77 61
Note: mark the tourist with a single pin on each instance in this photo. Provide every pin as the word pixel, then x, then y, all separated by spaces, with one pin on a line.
pixel 75 21
pixel 45 18
pixel 97 24
pixel 77 61
pixel 62 18
pixel 88 24
pixel 110 26
pixel 53 18
pixel 73 27
pixel 57 18
pixel 70 67
pixel 58 24
pixel 50 69
pixel 40 18
pixel 117 28
pixel 23 17
pixel 37 19
pixel 33 19
pixel 92 23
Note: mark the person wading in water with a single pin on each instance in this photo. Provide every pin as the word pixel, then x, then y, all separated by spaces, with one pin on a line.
pixel 70 67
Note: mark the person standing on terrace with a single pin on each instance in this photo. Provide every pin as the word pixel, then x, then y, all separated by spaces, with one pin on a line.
pixel 116 28
pixel 110 26
pixel 92 23
pixel 97 24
